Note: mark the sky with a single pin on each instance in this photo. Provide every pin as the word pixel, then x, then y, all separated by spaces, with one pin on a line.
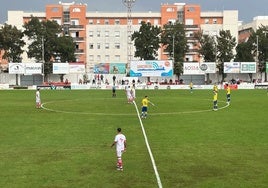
pixel 248 9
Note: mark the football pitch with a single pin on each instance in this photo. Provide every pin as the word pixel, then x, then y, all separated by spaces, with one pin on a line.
pixel 182 142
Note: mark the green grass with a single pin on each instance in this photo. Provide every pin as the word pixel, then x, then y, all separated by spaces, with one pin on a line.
pixel 68 145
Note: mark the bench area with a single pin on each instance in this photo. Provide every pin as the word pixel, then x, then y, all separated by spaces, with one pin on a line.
pixel 55 85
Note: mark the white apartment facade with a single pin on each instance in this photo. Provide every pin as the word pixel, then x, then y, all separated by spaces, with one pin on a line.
pixel 106 33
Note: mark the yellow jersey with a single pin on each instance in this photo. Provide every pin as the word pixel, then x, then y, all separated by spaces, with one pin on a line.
pixel 215 96
pixel 191 85
pixel 215 88
pixel 145 102
pixel 228 90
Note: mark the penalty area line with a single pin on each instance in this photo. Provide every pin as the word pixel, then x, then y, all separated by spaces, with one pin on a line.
pixel 149 149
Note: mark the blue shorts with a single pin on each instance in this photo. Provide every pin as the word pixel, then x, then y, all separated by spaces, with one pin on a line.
pixel 144 109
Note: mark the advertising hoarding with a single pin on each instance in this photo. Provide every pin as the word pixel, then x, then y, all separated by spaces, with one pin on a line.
pixel 149 68
pixel 16 68
pixel 231 67
pixel 25 68
pixel 117 68
pixel 77 68
pixel 60 68
pixel 248 67
pixel 199 68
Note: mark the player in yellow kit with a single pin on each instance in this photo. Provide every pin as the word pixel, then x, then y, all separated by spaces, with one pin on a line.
pixel 191 87
pixel 228 93
pixel 215 100
pixel 145 101
pixel 215 87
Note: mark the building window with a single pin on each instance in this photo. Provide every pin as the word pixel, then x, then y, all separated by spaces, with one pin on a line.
pixel 117 45
pixel 90 33
pixel 98 45
pixel 117 22
pixel 98 33
pixel 206 32
pixel 107 58
pixel 189 22
pixel 117 57
pixel 214 21
pixel 171 21
pixel 117 33
pixel 180 16
pixel 106 33
pixel 191 9
pixel 55 9
pixel 74 22
pixel 90 22
pixel 106 45
pixel 156 22
pixel 106 22
pixel 91 46
pixel 98 58
pixel 139 21
pixel 91 58
pixel 206 21
pixel 170 9
pixel 98 21
pixel 58 21
pixel 190 45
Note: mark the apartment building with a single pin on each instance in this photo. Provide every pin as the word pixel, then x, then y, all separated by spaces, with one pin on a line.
pixel 102 37
pixel 245 30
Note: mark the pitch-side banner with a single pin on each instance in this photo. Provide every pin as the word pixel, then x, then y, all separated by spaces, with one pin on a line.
pixel 248 67
pixel 117 68
pixel 199 68
pixel 151 68
pixel 25 68
pixel 77 68
pixel 110 68
pixel 60 68
pixel 33 68
pixel 16 68
pixel 231 67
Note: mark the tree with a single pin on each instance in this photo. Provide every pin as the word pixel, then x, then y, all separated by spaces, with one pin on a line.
pixel 174 42
pixel 65 48
pixel 146 41
pixel 12 44
pixel 207 47
pixel 47 43
pixel 41 34
pixel 262 34
pixel 244 53
pixel 225 47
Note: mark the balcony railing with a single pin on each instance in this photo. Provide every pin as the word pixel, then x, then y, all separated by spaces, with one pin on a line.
pixel 77 39
pixel 191 26
pixel 76 26
pixel 79 51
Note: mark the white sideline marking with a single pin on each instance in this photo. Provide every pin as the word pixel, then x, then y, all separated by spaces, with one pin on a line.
pixel 149 149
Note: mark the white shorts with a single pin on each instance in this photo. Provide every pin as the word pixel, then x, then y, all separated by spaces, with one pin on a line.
pixel 119 153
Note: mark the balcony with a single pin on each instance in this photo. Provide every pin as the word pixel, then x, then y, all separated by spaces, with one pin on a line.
pixel 191 26
pixel 78 39
pixel 76 27
pixel 79 51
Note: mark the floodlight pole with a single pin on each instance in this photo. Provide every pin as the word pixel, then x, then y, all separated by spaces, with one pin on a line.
pixel 173 48
pixel 129 4
pixel 43 58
